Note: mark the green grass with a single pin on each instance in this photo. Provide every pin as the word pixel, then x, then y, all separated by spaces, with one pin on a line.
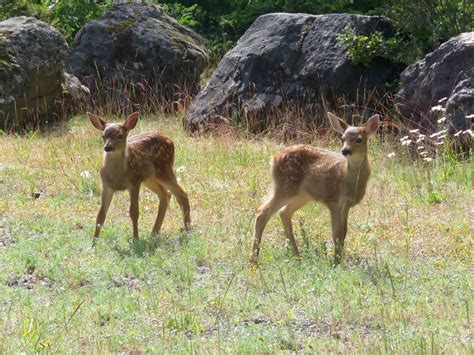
pixel 405 286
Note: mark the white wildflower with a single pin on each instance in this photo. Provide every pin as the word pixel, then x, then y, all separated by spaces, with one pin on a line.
pixel 420 147
pixel 404 138
pixel 468 132
pixel 442 137
pixel 423 154
pixel 428 159
pixel 470 116
pixel 440 101
pixel 457 133
pixel 391 155
pixel 437 108
pixel 181 169
pixel 407 142
pixel 414 130
pixel 438 133
pixel 421 138
pixel 439 143
pixel 85 174
pixel 442 119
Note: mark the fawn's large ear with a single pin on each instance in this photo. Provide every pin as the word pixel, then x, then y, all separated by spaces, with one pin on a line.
pixel 372 124
pixel 131 121
pixel 337 124
pixel 96 121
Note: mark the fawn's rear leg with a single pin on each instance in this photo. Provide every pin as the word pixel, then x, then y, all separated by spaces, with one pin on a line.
pixel 154 185
pixel 171 183
pixel 134 192
pixel 105 200
pixel 264 213
pixel 286 213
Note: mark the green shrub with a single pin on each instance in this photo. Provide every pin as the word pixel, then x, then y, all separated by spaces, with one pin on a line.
pixel 13 8
pixel 68 16
pixel 429 23
pixel 364 49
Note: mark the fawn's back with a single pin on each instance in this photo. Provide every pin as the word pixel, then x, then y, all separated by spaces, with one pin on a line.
pixel 321 174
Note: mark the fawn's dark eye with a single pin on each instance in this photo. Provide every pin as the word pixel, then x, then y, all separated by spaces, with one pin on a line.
pixel 119 136
pixel 359 140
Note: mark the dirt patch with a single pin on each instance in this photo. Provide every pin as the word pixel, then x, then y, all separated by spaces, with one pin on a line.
pixel 125 281
pixel 29 279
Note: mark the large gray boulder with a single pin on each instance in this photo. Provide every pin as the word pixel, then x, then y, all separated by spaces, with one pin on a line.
pixel 444 74
pixel 137 44
pixel 290 59
pixel 460 105
pixel 32 55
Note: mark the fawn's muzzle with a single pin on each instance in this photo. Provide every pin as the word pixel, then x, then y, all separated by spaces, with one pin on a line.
pixel 346 152
pixel 108 148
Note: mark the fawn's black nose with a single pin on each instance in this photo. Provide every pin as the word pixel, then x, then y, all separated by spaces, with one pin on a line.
pixel 108 148
pixel 346 152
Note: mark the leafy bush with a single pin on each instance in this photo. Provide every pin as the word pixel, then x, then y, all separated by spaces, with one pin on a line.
pixel 364 49
pixel 12 8
pixel 429 23
pixel 69 16
pixel 422 26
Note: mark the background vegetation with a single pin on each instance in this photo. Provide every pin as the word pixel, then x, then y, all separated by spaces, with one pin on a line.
pixel 422 25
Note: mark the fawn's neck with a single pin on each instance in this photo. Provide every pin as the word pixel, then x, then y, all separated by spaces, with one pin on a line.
pixel 115 163
pixel 357 177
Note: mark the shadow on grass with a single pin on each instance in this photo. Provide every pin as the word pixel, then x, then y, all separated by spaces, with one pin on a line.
pixel 168 242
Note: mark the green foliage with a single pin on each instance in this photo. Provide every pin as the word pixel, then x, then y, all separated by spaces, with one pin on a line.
pixel 70 15
pixel 364 49
pixel 12 8
pixel 422 25
pixel 428 23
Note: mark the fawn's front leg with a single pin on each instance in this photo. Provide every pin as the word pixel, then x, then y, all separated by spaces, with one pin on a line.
pixel 339 230
pixel 134 194
pixel 105 200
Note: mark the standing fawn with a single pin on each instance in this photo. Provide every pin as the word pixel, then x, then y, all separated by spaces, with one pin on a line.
pixel 302 173
pixel 144 158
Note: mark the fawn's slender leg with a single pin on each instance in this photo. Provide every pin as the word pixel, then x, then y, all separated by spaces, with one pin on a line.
pixel 105 200
pixel 286 213
pixel 164 196
pixel 171 183
pixel 339 229
pixel 264 213
pixel 134 192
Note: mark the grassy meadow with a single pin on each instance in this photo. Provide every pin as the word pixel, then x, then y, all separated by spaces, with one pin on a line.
pixel 406 284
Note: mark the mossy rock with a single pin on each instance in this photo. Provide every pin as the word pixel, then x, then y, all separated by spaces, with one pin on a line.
pixel 32 57
pixel 138 43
